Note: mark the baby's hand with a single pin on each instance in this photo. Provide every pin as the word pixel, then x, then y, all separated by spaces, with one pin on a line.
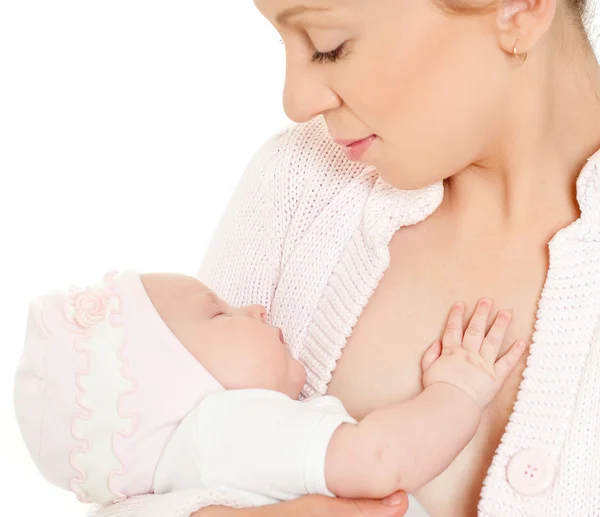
pixel 469 360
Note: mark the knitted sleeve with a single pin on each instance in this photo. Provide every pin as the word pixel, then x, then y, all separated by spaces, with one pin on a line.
pixel 244 258
pixel 241 265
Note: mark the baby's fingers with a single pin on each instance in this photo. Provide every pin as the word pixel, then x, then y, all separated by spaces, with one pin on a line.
pixel 453 334
pixel 508 361
pixel 475 333
pixel 431 355
pixel 494 338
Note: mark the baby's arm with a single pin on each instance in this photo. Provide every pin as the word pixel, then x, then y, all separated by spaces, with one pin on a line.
pixel 401 446
pixel 404 446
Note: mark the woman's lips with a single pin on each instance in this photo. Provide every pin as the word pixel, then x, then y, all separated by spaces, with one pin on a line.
pixel 356 148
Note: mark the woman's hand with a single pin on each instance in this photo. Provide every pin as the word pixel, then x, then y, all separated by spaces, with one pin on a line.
pixel 317 506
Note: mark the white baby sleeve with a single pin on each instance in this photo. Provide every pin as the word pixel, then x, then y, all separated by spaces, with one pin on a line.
pixel 253 442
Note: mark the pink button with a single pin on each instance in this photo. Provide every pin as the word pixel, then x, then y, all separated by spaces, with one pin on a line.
pixel 530 472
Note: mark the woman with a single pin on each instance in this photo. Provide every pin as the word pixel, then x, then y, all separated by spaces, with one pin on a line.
pixel 472 181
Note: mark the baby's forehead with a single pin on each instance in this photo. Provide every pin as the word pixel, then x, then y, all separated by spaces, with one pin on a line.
pixel 185 291
pixel 176 285
pixel 199 287
pixel 196 288
pixel 202 291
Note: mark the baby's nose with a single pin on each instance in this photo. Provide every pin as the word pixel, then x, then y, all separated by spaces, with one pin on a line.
pixel 257 312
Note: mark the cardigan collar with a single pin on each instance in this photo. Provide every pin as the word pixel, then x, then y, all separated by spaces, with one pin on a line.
pixel 388 208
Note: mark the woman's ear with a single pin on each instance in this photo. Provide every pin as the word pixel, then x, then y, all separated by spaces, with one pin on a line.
pixel 521 24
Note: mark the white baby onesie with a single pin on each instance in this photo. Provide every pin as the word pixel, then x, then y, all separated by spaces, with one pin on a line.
pixel 261 445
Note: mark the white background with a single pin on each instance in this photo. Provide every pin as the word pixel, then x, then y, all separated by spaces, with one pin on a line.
pixel 124 126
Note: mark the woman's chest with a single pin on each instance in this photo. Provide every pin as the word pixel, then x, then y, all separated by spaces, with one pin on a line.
pixel 381 362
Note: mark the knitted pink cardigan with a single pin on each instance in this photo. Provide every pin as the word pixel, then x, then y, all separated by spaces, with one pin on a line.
pixel 306 234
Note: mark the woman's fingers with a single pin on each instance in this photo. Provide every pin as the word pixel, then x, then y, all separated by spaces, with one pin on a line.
pixel 431 355
pixel 397 498
pixel 494 338
pixel 397 507
pixel 453 334
pixel 317 506
pixel 508 361
pixel 475 332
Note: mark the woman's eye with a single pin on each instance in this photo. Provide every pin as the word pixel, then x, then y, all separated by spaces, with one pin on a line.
pixel 330 57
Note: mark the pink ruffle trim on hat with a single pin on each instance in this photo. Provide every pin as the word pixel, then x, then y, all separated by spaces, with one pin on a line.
pixel 90 312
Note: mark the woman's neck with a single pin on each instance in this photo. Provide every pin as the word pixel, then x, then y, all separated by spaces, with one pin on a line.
pixel 552 125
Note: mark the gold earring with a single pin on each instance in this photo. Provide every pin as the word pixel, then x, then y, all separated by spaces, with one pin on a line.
pixel 521 57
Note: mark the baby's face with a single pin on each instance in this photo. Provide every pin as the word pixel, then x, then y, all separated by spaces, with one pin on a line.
pixel 236 345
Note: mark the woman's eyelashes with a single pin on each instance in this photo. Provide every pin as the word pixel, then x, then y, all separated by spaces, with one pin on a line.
pixel 330 57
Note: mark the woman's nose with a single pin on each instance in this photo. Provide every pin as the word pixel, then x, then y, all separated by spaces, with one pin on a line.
pixel 306 93
pixel 257 312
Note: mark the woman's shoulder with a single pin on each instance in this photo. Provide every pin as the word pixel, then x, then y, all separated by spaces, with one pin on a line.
pixel 302 163
pixel 298 175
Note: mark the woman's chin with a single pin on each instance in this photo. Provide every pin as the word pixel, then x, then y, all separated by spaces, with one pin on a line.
pixel 405 176
pixel 404 183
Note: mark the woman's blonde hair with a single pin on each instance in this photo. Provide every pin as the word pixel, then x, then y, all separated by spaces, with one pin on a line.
pixel 468 7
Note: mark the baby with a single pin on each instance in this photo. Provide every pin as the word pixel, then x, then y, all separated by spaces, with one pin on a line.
pixel 152 383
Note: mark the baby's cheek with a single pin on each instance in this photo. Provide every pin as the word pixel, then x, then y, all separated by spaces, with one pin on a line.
pixel 228 359
pixel 301 376
pixel 249 368
pixel 273 370
pixel 258 357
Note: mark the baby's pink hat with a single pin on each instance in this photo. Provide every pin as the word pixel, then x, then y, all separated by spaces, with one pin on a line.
pixel 102 385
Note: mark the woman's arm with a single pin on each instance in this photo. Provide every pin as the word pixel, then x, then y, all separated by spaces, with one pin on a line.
pixel 243 260
pixel 242 265
pixel 186 504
